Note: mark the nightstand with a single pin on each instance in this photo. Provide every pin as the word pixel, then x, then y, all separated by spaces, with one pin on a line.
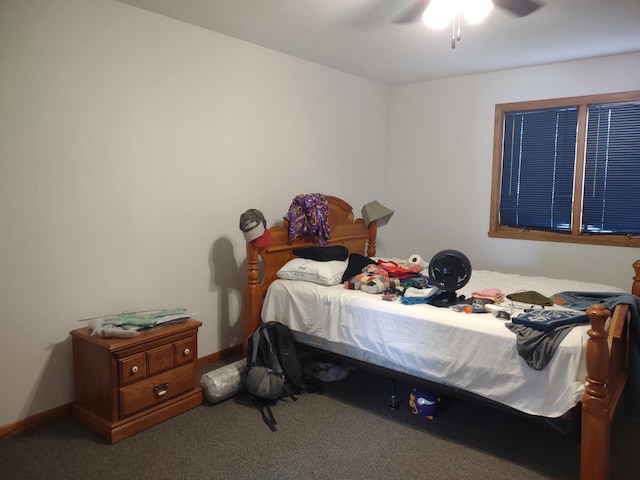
pixel 125 385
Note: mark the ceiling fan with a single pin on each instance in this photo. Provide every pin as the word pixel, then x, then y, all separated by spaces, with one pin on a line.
pixel 438 13
pixel 516 8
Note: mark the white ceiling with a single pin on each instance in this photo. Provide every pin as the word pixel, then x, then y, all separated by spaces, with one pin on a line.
pixel 358 36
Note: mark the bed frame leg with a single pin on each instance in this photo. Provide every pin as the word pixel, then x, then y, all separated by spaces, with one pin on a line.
pixel 393 404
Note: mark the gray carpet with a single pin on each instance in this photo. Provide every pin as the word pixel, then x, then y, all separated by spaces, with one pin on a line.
pixel 348 432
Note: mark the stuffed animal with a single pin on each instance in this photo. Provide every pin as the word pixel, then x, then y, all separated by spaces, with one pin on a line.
pixel 423 403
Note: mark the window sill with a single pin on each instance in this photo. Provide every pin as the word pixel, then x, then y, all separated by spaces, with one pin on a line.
pixel 609 240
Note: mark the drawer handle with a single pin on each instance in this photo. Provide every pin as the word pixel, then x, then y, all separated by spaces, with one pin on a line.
pixel 161 390
pixel 186 352
pixel 134 369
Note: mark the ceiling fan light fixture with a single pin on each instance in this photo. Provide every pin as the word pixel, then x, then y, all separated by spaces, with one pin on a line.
pixel 439 13
pixel 475 11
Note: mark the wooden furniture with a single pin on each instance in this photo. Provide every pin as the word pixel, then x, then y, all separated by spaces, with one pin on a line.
pixel 607 346
pixel 125 385
pixel 345 230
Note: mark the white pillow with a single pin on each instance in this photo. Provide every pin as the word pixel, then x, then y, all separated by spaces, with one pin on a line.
pixel 324 273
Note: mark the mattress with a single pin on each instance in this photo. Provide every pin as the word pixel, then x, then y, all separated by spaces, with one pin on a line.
pixel 472 352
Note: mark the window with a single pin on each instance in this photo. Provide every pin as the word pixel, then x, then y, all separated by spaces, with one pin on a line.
pixel 568 170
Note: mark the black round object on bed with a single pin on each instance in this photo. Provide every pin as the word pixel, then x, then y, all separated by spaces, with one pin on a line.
pixel 449 270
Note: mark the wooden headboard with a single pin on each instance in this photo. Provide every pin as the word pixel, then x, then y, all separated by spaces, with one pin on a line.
pixel 263 263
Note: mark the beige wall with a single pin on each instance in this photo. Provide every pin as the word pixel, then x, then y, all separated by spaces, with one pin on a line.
pixel 441 141
pixel 130 144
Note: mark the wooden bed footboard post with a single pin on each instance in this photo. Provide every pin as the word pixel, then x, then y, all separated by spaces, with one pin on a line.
pixel 596 403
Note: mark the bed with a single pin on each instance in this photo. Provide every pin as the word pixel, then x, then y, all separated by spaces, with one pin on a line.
pixel 413 342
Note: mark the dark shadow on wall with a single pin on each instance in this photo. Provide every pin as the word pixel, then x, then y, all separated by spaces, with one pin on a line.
pixel 56 376
pixel 228 281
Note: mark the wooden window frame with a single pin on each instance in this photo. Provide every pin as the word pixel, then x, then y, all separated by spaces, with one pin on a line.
pixel 499 231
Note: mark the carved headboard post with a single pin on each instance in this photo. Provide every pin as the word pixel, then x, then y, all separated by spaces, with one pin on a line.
pixel 371 243
pixel 252 295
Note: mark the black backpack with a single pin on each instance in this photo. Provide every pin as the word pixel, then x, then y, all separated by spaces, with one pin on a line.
pixel 273 368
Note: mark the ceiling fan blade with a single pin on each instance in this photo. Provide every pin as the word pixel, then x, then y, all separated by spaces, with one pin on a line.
pixel 518 8
pixel 413 13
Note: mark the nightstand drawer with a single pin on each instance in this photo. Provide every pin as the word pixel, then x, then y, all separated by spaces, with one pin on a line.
pixel 160 359
pixel 185 350
pixel 131 369
pixel 155 390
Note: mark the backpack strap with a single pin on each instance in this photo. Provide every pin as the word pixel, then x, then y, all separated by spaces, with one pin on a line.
pixel 273 358
pixel 255 341
pixel 268 417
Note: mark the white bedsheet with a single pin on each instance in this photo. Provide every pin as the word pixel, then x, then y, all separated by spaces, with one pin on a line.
pixel 474 352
